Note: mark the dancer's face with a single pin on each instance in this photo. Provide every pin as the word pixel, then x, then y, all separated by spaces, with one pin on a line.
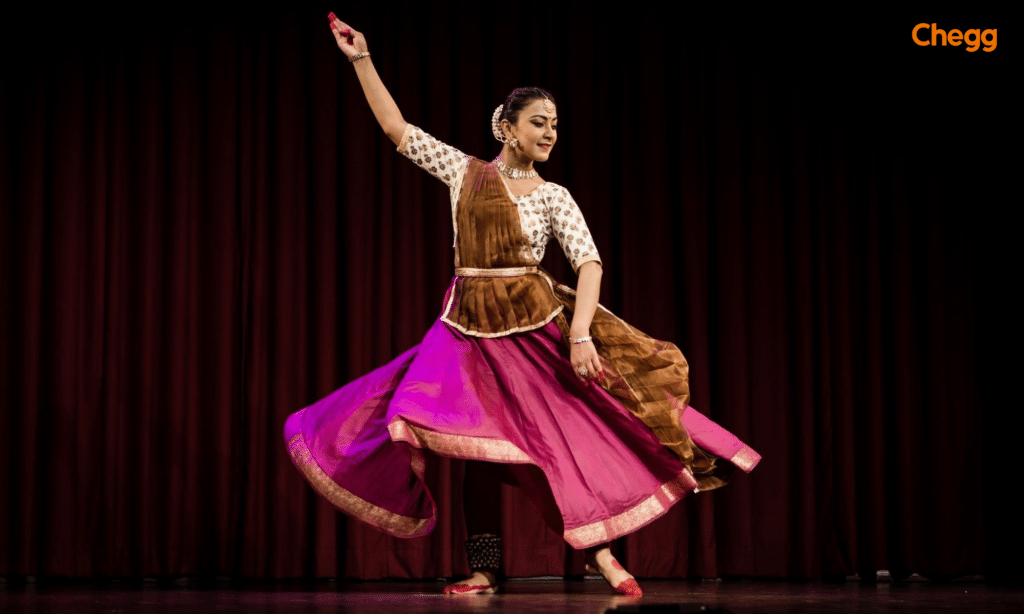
pixel 537 129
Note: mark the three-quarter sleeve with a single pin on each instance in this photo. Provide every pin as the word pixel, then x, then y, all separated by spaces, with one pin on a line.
pixel 440 160
pixel 568 226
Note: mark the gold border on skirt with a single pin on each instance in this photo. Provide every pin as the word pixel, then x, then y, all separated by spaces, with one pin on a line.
pixel 501 451
pixel 378 517
pixel 492 450
pixel 746 459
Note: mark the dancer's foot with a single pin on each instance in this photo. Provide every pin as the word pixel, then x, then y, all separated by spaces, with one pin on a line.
pixel 621 580
pixel 480 582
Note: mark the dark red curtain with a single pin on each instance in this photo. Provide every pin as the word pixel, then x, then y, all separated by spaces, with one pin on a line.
pixel 203 230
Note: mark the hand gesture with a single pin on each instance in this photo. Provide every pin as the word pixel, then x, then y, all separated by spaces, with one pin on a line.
pixel 349 41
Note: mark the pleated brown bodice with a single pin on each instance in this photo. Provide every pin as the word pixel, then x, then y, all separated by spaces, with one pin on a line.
pixel 489 237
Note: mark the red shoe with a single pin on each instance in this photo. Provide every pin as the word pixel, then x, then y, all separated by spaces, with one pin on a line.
pixel 626 587
pixel 470 589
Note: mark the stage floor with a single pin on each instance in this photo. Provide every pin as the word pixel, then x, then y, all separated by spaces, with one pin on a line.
pixel 547 596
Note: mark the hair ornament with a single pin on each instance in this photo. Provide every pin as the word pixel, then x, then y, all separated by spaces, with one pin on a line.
pixel 496 124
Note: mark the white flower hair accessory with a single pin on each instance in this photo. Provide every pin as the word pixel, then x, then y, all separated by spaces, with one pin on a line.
pixel 496 124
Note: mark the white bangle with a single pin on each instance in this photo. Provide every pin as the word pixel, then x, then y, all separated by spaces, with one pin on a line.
pixel 581 339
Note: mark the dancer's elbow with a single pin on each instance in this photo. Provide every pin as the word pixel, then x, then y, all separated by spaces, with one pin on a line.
pixel 395 130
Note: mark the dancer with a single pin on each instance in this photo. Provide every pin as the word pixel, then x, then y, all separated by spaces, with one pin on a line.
pixel 519 373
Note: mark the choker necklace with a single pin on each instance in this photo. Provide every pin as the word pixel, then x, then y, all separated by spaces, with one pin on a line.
pixel 514 173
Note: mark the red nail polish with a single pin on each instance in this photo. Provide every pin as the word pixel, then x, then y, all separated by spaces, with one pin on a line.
pixel 331 16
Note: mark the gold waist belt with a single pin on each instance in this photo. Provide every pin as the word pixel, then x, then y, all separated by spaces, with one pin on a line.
pixel 509 272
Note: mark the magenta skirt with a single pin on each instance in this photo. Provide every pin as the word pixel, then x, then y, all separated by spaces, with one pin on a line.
pixel 512 400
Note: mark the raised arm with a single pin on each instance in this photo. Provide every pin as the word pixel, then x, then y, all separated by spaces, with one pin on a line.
pixel 353 43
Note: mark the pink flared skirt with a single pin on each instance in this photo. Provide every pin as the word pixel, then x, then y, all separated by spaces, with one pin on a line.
pixel 512 400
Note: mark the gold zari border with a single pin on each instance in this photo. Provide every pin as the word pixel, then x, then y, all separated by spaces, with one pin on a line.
pixel 651 508
pixel 375 516
pixel 458 446
pixel 496 450
pixel 505 272
pixel 746 459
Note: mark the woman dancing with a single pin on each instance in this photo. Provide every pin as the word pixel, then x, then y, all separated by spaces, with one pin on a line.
pixel 520 373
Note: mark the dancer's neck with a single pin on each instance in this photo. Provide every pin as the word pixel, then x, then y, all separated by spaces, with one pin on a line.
pixel 513 160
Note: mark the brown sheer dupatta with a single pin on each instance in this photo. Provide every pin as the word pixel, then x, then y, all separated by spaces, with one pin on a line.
pixel 651 378
pixel 489 236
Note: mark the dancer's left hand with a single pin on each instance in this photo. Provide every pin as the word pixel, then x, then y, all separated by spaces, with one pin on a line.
pixel 585 355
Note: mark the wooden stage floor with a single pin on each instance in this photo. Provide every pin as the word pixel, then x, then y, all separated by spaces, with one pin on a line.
pixel 591 596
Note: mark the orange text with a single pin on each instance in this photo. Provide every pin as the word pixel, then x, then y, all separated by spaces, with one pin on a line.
pixel 972 38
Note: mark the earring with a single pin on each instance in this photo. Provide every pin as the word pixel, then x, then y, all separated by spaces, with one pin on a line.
pixel 513 142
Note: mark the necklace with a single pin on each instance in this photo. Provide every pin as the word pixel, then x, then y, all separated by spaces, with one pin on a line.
pixel 514 173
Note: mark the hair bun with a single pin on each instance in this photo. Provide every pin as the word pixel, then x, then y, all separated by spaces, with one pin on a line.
pixel 515 103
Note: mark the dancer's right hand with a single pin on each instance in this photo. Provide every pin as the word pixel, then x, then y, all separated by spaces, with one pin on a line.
pixel 349 41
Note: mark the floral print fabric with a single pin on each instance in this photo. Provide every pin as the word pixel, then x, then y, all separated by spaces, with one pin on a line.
pixel 548 212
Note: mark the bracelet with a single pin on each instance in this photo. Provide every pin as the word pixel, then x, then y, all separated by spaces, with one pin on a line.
pixel 359 56
pixel 581 339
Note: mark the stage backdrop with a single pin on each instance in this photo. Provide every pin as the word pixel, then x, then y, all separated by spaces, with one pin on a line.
pixel 203 230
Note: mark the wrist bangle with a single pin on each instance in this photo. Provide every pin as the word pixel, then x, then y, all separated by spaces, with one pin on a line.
pixel 581 339
pixel 359 56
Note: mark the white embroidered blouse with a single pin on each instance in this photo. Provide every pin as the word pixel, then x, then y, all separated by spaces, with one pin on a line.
pixel 545 213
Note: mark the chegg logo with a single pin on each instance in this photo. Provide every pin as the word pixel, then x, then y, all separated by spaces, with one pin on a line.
pixel 929 35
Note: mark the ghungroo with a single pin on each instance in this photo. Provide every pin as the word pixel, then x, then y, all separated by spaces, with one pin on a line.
pixel 484 552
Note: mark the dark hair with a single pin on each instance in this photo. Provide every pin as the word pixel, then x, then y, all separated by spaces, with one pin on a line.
pixel 519 98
